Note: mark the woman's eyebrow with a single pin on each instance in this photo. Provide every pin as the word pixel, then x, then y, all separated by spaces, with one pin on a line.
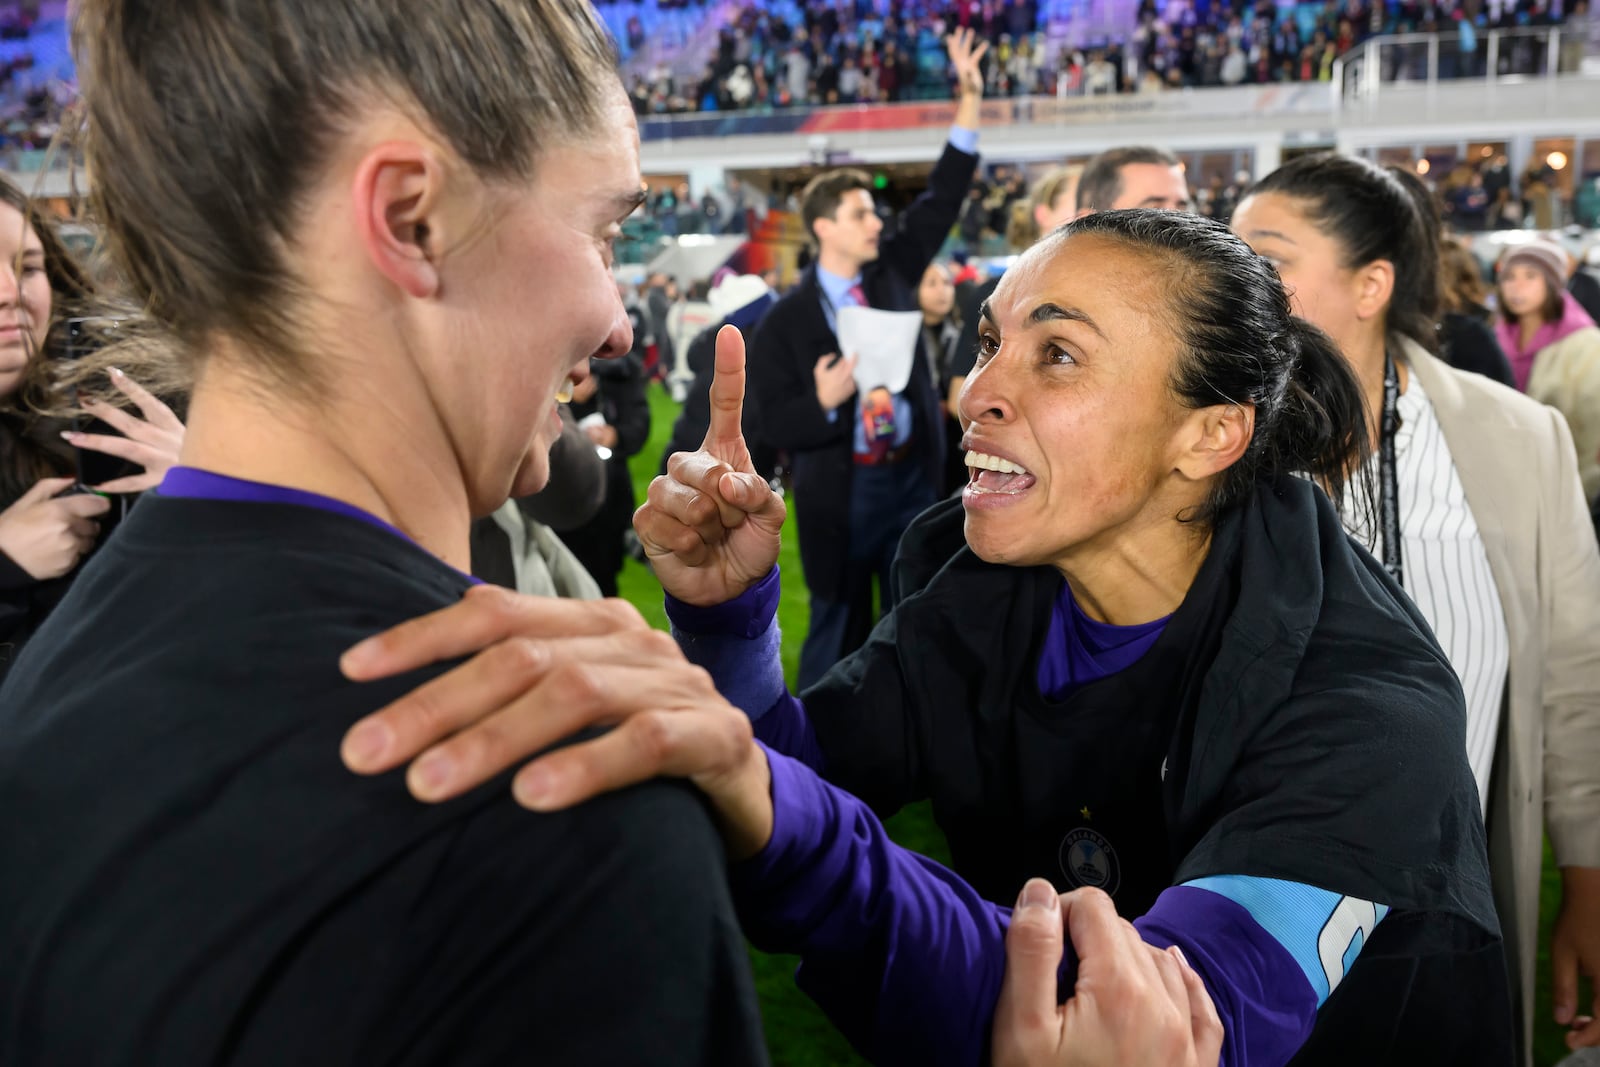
pixel 1048 312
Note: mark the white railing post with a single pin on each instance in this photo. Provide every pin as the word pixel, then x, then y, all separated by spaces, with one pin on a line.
pixel 1373 74
pixel 1433 72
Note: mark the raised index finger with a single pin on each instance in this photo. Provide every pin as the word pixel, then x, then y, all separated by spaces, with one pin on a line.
pixel 727 388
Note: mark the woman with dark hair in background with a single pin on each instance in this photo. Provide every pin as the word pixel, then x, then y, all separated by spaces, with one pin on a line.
pixel 46 528
pixel 1484 524
pixel 1466 340
pixel 941 332
pixel 1143 655
pixel 1553 343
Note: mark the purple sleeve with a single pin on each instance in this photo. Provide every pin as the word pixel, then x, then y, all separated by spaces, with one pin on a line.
pixel 1261 994
pixel 739 643
pixel 902 955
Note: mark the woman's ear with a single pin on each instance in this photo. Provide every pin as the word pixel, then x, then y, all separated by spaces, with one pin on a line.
pixel 1214 439
pixel 397 191
pixel 1374 288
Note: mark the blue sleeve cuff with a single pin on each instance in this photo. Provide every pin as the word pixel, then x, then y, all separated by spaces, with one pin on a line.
pixel 748 615
pixel 964 140
pixel 1323 931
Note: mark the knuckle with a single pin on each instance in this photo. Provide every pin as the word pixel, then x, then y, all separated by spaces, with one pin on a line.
pixel 741 734
pixel 652 735
pixel 700 680
pixel 424 714
pixel 700 509
pixel 521 657
pixel 658 644
pixel 686 543
pixel 622 615
pixel 501 605
pixel 485 744
pixel 581 684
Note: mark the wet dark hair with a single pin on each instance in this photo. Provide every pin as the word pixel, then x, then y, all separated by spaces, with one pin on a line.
pixel 1374 213
pixel 1241 344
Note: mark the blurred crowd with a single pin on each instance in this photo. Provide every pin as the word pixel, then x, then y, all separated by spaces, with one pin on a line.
pixel 859 52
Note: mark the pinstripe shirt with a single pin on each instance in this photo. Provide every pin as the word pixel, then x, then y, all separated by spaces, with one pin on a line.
pixel 1447 572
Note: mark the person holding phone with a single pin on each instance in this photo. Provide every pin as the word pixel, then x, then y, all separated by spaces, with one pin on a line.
pixel 49 521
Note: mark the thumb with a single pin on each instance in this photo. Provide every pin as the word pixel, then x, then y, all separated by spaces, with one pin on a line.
pixel 1034 943
pixel 44 489
pixel 1563 979
pixel 750 493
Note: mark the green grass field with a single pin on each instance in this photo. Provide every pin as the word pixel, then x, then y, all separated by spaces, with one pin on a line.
pixel 797 1033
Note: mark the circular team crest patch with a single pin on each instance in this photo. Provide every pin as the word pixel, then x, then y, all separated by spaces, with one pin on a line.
pixel 1088 860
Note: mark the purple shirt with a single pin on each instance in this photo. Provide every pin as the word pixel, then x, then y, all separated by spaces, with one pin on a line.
pixel 1079 650
pixel 906 959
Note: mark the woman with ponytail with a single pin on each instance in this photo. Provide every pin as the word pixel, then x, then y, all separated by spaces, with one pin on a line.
pixel 1483 522
pixel 1143 656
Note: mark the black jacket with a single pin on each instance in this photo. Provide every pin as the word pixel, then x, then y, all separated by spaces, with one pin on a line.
pixel 1585 289
pixel 795 334
pixel 1295 720
pixel 1467 343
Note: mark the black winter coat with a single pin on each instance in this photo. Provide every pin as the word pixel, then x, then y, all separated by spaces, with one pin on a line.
pixel 1295 720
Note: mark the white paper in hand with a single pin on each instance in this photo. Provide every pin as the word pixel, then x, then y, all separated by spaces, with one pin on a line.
pixel 884 344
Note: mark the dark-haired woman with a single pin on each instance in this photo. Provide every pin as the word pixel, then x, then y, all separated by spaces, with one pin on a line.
pixel 1466 339
pixel 1484 525
pixel 45 528
pixel 1144 656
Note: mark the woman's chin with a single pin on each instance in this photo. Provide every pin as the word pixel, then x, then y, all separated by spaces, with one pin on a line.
pixel 989 544
pixel 534 473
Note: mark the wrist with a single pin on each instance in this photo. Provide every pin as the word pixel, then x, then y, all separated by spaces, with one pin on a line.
pixel 741 802
pixel 1580 885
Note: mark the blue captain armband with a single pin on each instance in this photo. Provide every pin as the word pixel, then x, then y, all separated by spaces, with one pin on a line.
pixel 1323 931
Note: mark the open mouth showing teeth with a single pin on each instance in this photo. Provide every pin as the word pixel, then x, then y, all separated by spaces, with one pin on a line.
pixel 991 474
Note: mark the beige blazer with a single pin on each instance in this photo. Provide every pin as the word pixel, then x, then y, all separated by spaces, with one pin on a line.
pixel 1518 467
pixel 1566 375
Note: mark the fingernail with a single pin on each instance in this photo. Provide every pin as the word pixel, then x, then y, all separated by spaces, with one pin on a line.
pixel 1037 894
pixel 367 743
pixel 69 435
pixel 117 373
pixel 359 657
pixel 535 787
pixel 1178 952
pixel 430 774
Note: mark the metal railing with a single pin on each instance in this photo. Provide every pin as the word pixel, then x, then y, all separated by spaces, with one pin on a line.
pixel 1413 62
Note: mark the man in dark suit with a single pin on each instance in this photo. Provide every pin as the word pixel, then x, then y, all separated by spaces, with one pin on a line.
pixel 859 481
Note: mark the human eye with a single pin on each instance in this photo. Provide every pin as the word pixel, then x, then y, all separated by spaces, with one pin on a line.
pixel 1057 356
pixel 988 345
